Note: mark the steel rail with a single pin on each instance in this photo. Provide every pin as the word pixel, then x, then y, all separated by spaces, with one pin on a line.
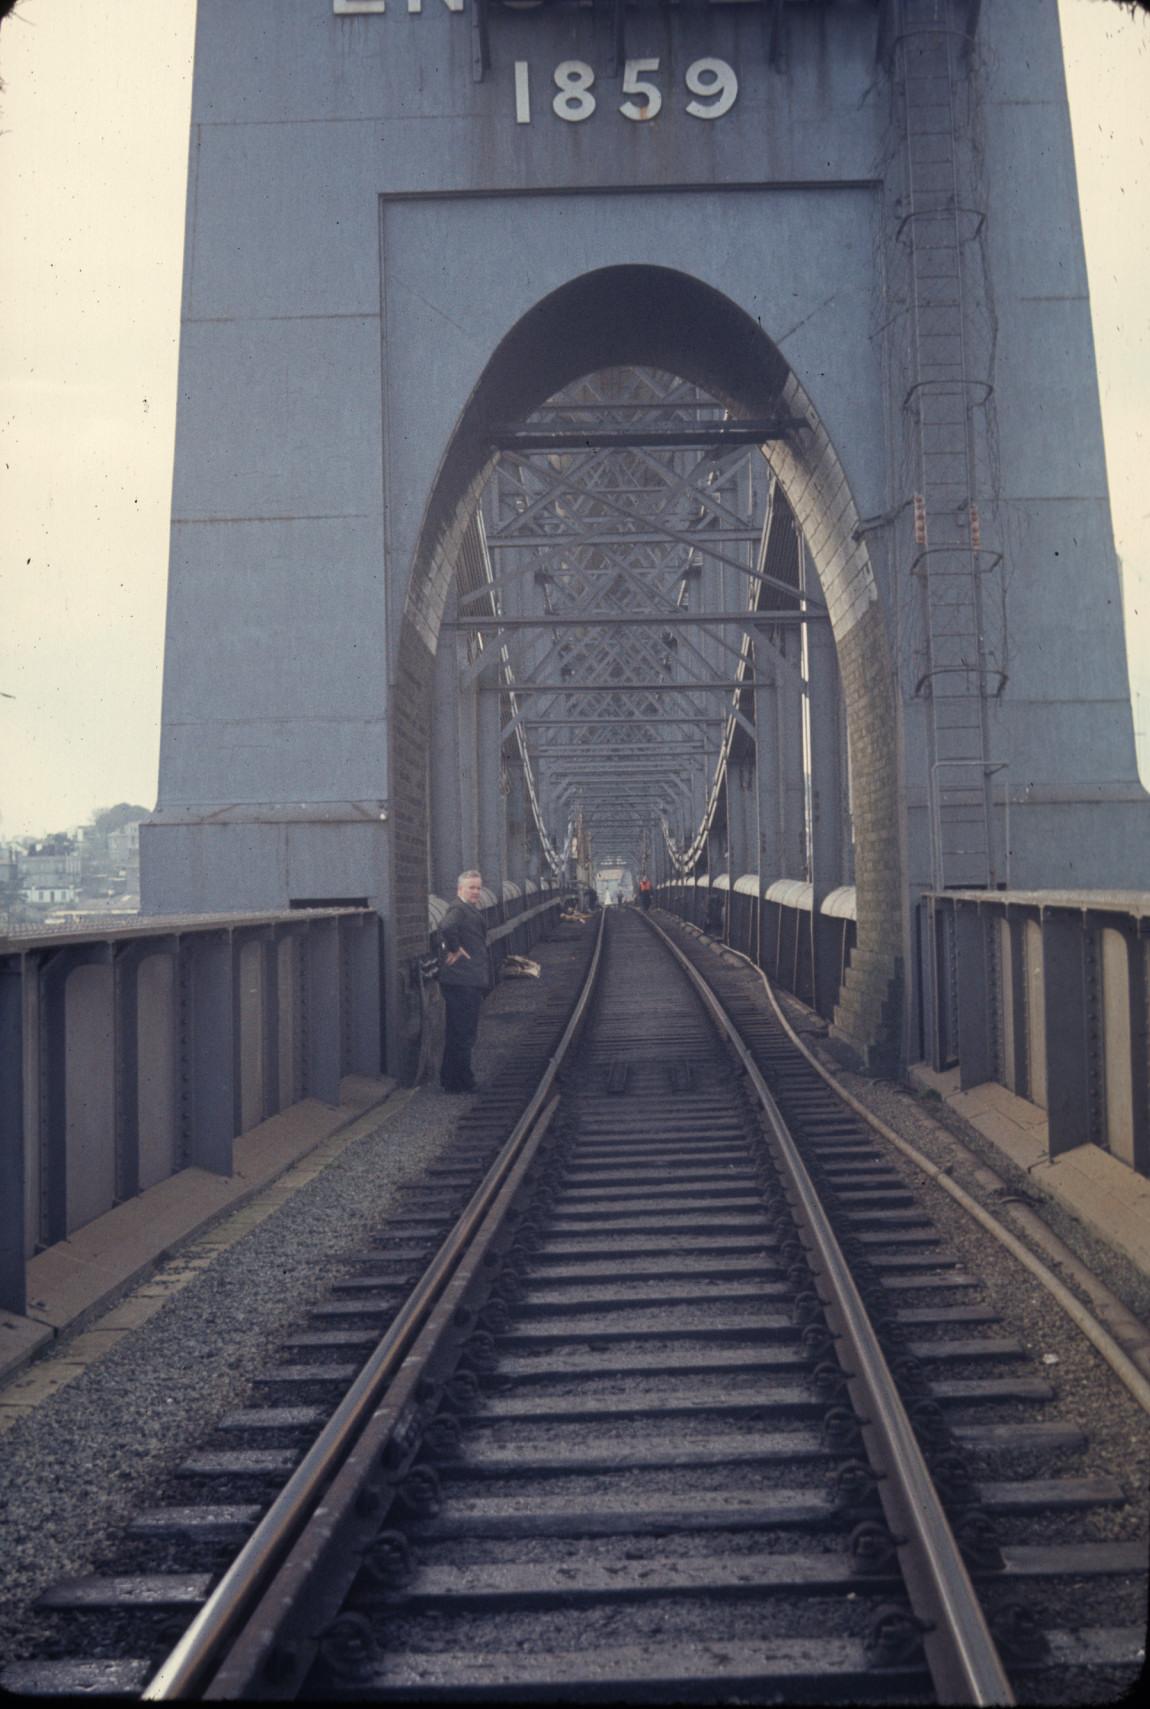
pixel 272 1652
pixel 964 1661
pixel 1111 1327
pixel 202 1648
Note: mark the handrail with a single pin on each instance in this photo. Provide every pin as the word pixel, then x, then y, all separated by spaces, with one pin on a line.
pixel 21 940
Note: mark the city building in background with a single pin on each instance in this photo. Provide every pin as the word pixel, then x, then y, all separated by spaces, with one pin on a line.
pixel 86 875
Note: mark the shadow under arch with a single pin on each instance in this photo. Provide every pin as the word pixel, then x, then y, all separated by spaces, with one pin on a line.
pixel 659 318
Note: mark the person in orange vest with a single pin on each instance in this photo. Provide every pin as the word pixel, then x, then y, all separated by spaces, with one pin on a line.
pixel 645 894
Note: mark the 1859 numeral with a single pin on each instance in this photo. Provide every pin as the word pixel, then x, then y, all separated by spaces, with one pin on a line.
pixel 712 83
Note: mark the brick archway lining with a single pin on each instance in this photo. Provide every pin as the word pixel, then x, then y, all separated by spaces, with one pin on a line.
pixel 656 318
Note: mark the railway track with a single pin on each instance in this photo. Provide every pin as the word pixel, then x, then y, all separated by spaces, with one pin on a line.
pixel 638 1440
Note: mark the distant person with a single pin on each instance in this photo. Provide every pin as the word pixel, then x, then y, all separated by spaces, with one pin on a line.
pixel 464 978
pixel 645 894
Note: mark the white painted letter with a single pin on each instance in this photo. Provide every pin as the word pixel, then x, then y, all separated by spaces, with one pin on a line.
pixel 573 79
pixel 650 99
pixel 715 79
pixel 522 92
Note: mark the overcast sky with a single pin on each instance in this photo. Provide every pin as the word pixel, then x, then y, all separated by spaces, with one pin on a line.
pixel 93 151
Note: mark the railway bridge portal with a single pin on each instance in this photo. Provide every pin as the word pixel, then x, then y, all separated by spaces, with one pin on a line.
pixel 661 433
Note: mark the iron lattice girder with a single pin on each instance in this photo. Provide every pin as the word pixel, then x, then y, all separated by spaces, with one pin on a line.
pixel 689 714
pixel 607 705
pixel 672 571
pixel 718 685
pixel 619 808
pixel 651 807
pixel 676 485
pixel 571 540
pixel 579 490
pixel 721 435
pixel 676 764
pixel 602 551
pixel 619 786
pixel 570 762
pixel 638 722
pixel 620 791
pixel 683 409
pixel 659 778
pixel 650 619
pixel 615 740
pixel 651 812
pixel 573 770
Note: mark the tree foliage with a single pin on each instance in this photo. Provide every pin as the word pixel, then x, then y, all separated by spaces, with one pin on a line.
pixel 115 818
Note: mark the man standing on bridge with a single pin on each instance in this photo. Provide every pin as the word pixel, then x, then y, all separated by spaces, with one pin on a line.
pixel 465 979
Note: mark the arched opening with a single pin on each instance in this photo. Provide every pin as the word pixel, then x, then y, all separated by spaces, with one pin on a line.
pixel 659 319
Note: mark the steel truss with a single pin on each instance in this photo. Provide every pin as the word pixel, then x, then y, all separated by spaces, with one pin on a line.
pixel 625 530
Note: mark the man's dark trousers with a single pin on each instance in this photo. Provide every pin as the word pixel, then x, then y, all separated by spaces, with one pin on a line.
pixel 463 1003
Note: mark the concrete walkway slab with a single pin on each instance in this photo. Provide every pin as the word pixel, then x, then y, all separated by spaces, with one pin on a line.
pixel 20 1341
pixel 1105 1193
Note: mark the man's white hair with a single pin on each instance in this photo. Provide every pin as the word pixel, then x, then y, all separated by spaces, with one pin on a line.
pixel 470 873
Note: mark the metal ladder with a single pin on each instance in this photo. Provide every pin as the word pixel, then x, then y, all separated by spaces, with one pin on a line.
pixel 949 558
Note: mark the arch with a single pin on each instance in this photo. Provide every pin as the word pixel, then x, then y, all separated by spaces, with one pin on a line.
pixel 657 317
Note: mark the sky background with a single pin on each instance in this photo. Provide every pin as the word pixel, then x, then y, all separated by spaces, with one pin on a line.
pixel 93 165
